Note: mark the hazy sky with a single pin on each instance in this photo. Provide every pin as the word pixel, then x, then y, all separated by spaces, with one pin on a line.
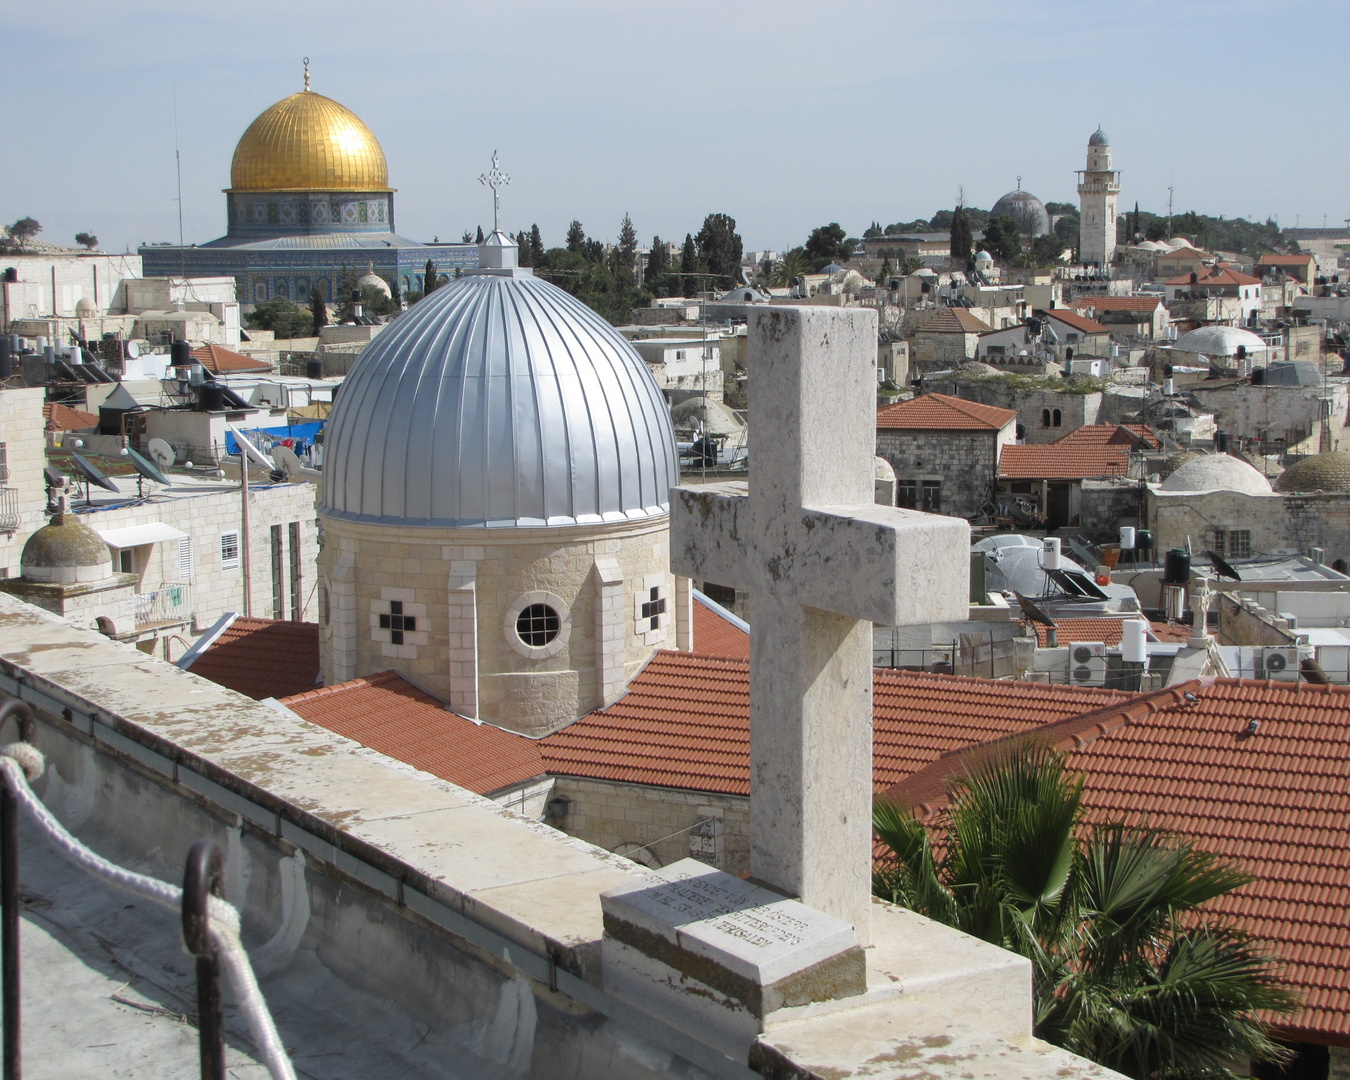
pixel 784 115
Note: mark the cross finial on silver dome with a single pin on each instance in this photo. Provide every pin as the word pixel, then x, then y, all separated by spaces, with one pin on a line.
pixel 496 180
pixel 306 72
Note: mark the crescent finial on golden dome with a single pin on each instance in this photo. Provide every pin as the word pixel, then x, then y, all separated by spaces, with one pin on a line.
pixel 308 142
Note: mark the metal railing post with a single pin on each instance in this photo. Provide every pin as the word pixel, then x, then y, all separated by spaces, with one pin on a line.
pixel 205 876
pixel 9 903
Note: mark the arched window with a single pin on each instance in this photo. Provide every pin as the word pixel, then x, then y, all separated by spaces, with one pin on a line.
pixel 1045 418
pixel 1056 418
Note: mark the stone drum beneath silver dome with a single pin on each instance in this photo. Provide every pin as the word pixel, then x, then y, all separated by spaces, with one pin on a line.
pixel 496 504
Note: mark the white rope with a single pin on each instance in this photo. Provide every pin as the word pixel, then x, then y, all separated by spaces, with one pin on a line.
pixel 21 762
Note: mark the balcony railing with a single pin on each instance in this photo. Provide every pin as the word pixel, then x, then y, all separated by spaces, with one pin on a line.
pixel 172 603
pixel 9 510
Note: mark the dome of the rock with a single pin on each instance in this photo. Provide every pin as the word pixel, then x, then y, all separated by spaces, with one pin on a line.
pixel 308 142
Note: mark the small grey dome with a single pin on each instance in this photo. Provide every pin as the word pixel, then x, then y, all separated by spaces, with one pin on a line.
pixel 1217 472
pixel 499 400
pixel 1099 138
pixel 1219 341
pixel 1025 209
pixel 64 552
pixel 1321 472
pixel 374 281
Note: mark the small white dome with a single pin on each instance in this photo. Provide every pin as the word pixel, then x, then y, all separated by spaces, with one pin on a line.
pixel 85 308
pixel 374 281
pixel 1217 472
pixel 983 256
pixel 1219 341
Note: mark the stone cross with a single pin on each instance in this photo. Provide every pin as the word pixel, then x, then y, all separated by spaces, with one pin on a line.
pixel 821 562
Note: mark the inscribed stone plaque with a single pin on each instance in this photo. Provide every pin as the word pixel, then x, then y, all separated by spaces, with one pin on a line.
pixel 755 945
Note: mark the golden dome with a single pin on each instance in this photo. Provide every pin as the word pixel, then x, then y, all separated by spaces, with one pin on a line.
pixel 308 143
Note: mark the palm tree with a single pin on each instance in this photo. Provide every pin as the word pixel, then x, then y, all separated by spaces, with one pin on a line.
pixel 790 267
pixel 1129 970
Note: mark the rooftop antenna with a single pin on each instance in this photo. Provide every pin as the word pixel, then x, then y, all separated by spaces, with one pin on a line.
pixel 1169 211
pixel 496 180
pixel 178 166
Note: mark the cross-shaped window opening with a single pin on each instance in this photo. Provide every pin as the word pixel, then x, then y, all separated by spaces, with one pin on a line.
pixel 396 622
pixel 654 608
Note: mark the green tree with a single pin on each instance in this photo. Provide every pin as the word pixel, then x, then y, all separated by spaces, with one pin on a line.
pixel 790 267
pixel 281 316
pixel 884 274
pixel 536 246
pixel 626 251
pixel 720 249
pixel 1046 250
pixel 431 280
pixel 828 244
pixel 689 266
pixel 374 302
pixel 478 238
pixel 910 265
pixel 347 285
pixel 1003 240
pixel 24 230
pixel 1129 968
pixel 318 313
pixel 658 262
pixel 576 238
pixel 962 240
pixel 86 240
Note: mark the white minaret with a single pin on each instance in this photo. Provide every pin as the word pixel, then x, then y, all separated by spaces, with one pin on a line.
pixel 1098 186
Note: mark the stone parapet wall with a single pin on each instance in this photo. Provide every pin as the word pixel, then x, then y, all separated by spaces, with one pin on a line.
pixel 966 464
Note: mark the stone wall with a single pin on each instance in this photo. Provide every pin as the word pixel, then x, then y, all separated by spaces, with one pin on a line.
pixel 1249 624
pixel 657 825
pixel 1104 506
pixel 1191 515
pixel 1285 416
pixel 1338 1067
pixel 965 463
pixel 1320 521
pixel 465 589
pixel 23 490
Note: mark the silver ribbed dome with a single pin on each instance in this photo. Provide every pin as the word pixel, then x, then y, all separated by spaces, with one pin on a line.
pixel 499 400
pixel 1025 209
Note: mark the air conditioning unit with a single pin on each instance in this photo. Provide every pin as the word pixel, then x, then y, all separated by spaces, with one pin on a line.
pixel 1280 664
pixel 1087 663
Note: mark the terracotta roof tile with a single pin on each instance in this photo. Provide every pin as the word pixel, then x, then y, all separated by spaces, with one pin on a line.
pixel 263 658
pixel 1223 277
pixel 714 636
pixel 389 714
pixel 939 412
pixel 1119 303
pixel 1276 803
pixel 67 419
pixel 954 320
pixel 1078 322
pixel 1089 451
pixel 1107 631
pixel 1285 260
pixel 685 723
pixel 221 361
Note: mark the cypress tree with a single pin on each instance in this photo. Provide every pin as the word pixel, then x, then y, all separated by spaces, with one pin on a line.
pixel 576 238
pixel 536 246
pixel 658 262
pixel 430 278
pixel 479 238
pixel 689 265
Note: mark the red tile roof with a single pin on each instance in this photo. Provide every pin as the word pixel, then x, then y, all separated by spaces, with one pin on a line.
pixel 64 418
pixel 263 658
pixel 1285 260
pixel 1183 253
pixel 954 320
pixel 1089 451
pixel 221 361
pixel 389 714
pixel 1119 303
pixel 1276 803
pixel 1085 326
pixel 714 636
pixel 939 412
pixel 1107 631
pixel 1223 277
pixel 685 723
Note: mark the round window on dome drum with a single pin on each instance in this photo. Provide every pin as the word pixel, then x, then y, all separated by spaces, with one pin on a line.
pixel 537 625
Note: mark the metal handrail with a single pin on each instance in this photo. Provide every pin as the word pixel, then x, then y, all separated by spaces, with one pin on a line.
pixel 204 876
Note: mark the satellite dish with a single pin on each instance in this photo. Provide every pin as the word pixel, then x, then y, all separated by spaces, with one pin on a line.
pixel 93 475
pixel 287 459
pixel 133 350
pixel 1222 567
pixel 161 453
pixel 1032 611
pixel 146 467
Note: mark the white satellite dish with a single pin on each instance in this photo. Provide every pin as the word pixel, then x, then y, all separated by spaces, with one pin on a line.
pixel 133 350
pixel 161 453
